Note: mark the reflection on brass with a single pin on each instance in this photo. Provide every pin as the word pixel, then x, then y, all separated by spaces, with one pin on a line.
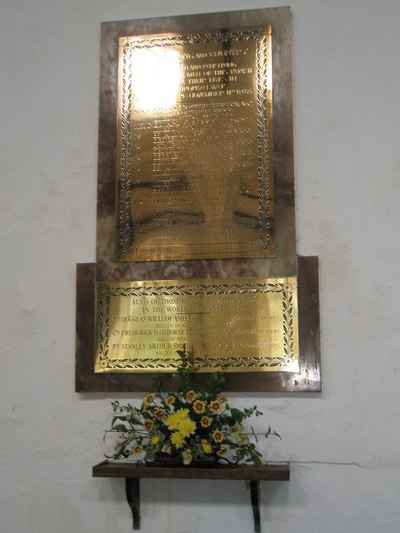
pixel 194 158
pixel 236 325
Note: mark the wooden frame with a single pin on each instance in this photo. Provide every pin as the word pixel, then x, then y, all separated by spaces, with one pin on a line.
pixel 308 379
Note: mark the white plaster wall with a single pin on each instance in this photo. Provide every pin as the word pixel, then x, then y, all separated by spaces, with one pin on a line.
pixel 344 443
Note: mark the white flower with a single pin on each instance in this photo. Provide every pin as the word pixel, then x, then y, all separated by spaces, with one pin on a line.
pixel 187 457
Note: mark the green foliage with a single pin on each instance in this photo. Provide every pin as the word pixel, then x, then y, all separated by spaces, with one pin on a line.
pixel 185 371
pixel 215 383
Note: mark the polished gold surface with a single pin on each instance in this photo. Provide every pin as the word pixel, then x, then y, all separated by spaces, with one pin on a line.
pixel 194 145
pixel 237 325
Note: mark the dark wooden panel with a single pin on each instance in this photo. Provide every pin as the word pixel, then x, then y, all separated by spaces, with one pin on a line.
pixel 85 316
pixel 308 379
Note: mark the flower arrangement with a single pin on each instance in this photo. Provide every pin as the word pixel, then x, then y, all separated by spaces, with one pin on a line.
pixel 189 426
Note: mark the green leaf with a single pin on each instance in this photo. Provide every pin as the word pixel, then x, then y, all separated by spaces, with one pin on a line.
pixel 271 432
pixel 119 427
pixel 237 415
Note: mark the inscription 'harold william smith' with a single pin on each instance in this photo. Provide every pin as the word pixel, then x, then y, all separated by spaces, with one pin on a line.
pixel 195 146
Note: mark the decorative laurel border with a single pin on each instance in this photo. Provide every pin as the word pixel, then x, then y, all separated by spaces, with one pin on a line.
pixel 107 364
pixel 125 228
pixel 264 126
pixel 103 300
pixel 288 326
pixel 170 363
pixel 200 289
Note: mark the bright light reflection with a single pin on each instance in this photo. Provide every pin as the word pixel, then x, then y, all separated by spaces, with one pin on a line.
pixel 156 77
pixel 293 366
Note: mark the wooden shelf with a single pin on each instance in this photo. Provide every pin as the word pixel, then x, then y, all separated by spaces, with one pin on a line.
pixel 133 472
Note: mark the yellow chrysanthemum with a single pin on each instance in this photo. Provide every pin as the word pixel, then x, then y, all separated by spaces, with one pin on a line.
pixel 199 407
pixel 174 420
pixel 155 439
pixel 205 421
pixel 187 427
pixel 206 446
pixel 177 439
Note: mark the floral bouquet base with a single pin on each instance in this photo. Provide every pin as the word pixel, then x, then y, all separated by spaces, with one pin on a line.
pixel 169 462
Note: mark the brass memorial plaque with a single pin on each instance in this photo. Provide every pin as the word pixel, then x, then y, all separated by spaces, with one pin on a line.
pixel 194 145
pixel 237 325
pixel 196 184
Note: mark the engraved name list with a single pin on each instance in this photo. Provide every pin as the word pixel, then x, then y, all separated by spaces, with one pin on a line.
pixel 141 325
pixel 195 172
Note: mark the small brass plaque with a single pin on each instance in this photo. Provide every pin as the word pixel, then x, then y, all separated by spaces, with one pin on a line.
pixel 237 325
pixel 194 145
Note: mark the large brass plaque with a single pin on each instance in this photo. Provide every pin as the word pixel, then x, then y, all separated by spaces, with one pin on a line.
pixel 237 325
pixel 194 145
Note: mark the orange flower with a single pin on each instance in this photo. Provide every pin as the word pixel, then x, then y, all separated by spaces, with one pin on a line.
pixel 199 407
pixel 148 424
pixel 170 400
pixel 218 436
pixel 149 397
pixel 191 396
pixel 205 421
pixel 215 406
pixel 159 414
pixel 138 448
pixel 147 400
